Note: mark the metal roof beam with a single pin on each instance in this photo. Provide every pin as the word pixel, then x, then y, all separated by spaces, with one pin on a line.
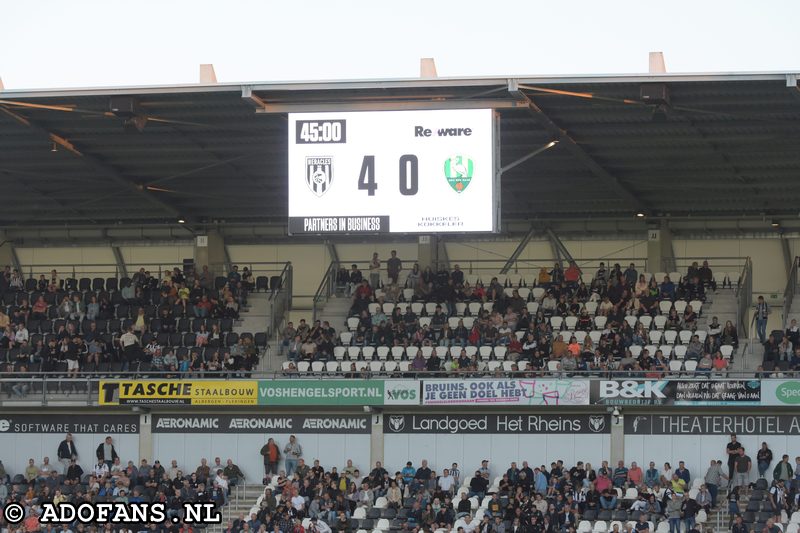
pixel 791 84
pixel 577 150
pixel 95 162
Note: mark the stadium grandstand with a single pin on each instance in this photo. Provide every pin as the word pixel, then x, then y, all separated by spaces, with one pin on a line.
pixel 573 312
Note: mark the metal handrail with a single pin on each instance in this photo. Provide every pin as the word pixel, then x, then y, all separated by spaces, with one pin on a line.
pixel 324 290
pixel 280 300
pixel 744 297
pixel 790 290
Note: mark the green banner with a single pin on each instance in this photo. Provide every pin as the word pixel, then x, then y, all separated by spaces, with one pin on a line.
pixel 321 392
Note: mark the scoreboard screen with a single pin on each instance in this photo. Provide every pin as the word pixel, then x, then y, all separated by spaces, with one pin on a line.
pixel 392 172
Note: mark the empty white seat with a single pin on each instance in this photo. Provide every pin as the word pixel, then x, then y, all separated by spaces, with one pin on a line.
pixel 373 308
pixel 697 306
pixel 533 307
pixel 381 502
pixel 404 366
pixel 701 335
pixel 453 322
pixel 353 352
pixel 655 336
pixel 646 321
pixel 631 320
pixel 571 322
pixel 485 351
pixel 660 322
pixel 408 294
pixel 332 366
pixel 361 365
pixel 303 366
pixel 383 352
pixel 368 352
pixel 584 526
pixel 662 527
pixel 508 291
pixel 580 336
pixel 500 352
pixel 474 308
pixel 600 526
pixel 595 336
pixel 390 366
pixel 537 292
pixel 360 513
pixel 338 352
pixel 285 365
pixel 417 308
pixel 519 335
pixel 424 321
pixel 600 322
pixel 375 366
pixel 430 307
pixel 670 336
pixel 685 336
pixel 397 352
pixel 487 306
pixel 636 350
pixel 317 366
pixel 591 307
pixel 441 351
pixel 471 350
pixel 508 366
pixel 494 365
pixel 701 517
pixel 388 308
pixel 679 350
pixel 690 365
pixel 726 350
pixel 461 308
pixel 345 337
pixel 680 306
pixel 383 525
pixel 660 277
pixel 651 349
pixel 455 351
pixel 631 494
pixel 352 323
pixel 524 292
pixel 666 349
pixel 556 322
pixel 795 519
pixel 552 366
pixel 665 306
pixel 426 351
pixel 469 321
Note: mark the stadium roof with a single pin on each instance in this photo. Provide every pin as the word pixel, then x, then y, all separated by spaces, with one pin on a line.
pixel 718 145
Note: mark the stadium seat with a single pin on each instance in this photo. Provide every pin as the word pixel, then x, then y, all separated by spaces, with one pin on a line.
pixel 600 322
pixel 339 352
pixel 346 337
pixel 679 350
pixel 353 352
pixel 600 526
pixel 571 322
pixel 367 352
pixel 660 322
pixel 584 526
pixel 390 367
pixel 646 321
pixel 690 365
pixel 332 366
pixel 726 350
pixel 303 366
pixel 556 322
pixel 680 306
pixel 317 367
pixel 360 513
pixel 424 321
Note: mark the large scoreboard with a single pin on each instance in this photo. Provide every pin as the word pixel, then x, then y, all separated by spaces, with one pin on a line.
pixel 393 172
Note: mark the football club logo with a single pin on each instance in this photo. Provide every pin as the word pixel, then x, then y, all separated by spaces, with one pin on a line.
pixel 397 423
pixel 319 174
pixel 458 170
pixel 597 423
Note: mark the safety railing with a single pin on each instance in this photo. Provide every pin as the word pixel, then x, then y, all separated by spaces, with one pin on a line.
pixel 35 389
pixel 325 290
pixel 528 269
pixel 280 300
pixel 790 291
pixel 744 297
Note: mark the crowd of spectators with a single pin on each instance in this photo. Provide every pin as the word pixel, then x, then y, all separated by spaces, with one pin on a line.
pixel 614 320
pixel 522 496
pixel 103 476
pixel 180 323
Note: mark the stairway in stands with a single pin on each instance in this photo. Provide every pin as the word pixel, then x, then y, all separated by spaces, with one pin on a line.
pixel 242 499
pixel 255 318
pixel 335 312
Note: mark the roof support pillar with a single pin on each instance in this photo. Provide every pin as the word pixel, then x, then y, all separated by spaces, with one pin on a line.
pixel 657 65
pixel 560 251
pixel 787 256
pixel 210 251
pixel 660 255
pixel 518 251
pixel 122 268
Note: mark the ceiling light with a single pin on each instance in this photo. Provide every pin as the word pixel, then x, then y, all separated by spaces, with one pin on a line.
pixel 54 148
pixel 640 214
pixel 181 221
pixel 776 223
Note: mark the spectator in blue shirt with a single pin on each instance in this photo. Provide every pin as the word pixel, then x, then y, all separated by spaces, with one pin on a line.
pixel 683 472
pixel 620 475
pixel 408 473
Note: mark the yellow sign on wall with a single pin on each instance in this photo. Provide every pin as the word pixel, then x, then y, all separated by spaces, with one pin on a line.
pixel 178 392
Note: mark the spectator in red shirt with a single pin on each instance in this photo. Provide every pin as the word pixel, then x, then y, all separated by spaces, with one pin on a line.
pixel 573 273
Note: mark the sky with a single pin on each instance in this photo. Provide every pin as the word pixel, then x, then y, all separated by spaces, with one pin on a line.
pixel 90 43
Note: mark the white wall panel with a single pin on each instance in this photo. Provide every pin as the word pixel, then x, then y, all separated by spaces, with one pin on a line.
pixel 188 449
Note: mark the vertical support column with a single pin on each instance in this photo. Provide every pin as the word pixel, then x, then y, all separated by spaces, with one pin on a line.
pixel 210 250
pixel 8 256
pixel 376 439
pixel 617 451
pixel 122 269
pixel 427 252
pixel 145 436
pixel 660 255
